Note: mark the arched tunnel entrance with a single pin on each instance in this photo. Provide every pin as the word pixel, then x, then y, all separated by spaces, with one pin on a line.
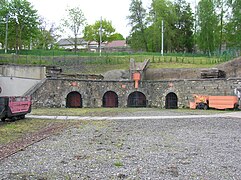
pixel 110 99
pixel 74 100
pixel 137 99
pixel 171 101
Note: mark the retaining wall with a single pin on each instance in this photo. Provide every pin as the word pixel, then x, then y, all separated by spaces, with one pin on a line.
pixel 13 86
pixel 53 92
pixel 23 71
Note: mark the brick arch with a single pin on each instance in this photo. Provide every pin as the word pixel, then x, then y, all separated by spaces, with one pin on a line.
pixel 74 100
pixel 136 99
pixel 110 99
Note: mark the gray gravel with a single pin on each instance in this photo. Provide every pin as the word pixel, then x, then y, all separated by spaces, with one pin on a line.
pixel 137 149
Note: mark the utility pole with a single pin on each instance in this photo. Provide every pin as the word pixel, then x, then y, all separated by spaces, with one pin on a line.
pixel 162 38
pixel 6 35
pixel 100 33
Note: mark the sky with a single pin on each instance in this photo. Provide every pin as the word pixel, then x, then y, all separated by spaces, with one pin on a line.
pixel 115 11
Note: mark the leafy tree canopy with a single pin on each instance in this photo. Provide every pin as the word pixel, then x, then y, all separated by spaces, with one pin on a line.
pixel 208 23
pixel 92 32
pixel 74 21
pixel 22 22
pixel 117 36
pixel 138 21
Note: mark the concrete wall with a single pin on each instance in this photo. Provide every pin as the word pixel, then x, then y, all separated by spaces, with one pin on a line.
pixel 12 86
pixel 53 92
pixel 30 72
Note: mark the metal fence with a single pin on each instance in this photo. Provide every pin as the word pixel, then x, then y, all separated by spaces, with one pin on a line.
pixel 113 59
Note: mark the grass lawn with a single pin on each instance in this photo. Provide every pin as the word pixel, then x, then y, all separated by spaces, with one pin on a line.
pixel 89 63
pixel 179 65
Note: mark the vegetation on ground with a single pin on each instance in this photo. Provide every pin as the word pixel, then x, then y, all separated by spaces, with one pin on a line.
pixel 11 131
pixel 92 63
pixel 111 111
pixel 84 111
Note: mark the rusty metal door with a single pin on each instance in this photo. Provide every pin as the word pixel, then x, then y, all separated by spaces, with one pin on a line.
pixel 137 99
pixel 74 100
pixel 110 99
pixel 171 101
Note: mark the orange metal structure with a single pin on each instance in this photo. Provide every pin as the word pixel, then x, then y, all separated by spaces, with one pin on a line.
pixel 136 77
pixel 216 102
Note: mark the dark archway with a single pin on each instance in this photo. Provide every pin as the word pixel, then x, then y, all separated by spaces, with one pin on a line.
pixel 110 99
pixel 171 101
pixel 74 100
pixel 137 99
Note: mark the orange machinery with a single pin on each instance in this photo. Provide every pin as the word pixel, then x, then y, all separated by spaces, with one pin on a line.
pixel 216 102
pixel 136 77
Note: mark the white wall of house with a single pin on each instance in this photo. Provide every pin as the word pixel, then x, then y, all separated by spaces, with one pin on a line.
pixel 72 47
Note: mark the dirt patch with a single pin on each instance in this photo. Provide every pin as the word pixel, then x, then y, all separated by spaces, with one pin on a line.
pixel 232 68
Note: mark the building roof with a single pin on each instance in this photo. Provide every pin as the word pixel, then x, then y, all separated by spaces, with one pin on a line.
pixel 81 41
pixel 70 41
pixel 116 43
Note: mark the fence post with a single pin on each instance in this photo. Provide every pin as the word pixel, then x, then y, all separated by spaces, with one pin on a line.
pixel 13 58
pixel 40 58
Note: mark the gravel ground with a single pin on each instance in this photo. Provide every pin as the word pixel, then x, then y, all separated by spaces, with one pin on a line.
pixel 31 138
pixel 170 112
pixel 137 149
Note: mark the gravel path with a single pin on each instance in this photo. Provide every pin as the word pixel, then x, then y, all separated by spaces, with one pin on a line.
pixel 194 148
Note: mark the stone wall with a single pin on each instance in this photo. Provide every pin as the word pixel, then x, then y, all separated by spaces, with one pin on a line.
pixel 53 92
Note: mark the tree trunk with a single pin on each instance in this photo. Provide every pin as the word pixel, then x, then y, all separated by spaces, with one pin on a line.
pixel 221 31
pixel 16 39
pixel 75 43
pixel 144 38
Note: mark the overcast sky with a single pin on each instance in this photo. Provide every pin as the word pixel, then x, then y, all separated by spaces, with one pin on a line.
pixel 115 11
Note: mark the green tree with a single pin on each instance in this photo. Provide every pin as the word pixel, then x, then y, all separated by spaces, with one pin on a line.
pixel 23 24
pixel 207 27
pixel 184 40
pixel 233 27
pixel 3 19
pixel 92 32
pixel 223 10
pixel 138 22
pixel 74 21
pixel 136 41
pixel 116 36
pixel 47 36
pixel 162 10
